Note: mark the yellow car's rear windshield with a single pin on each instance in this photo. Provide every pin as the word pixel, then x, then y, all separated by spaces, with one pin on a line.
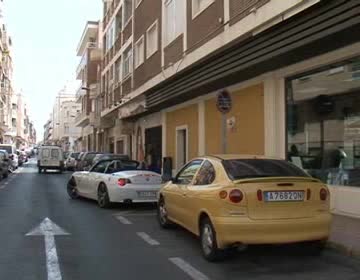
pixel 258 168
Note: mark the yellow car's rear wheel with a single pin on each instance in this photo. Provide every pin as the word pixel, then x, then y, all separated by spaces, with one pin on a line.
pixel 208 241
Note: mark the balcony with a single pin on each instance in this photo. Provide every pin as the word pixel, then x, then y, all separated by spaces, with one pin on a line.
pixel 82 119
pixel 84 59
pixel 94 120
pixel 80 92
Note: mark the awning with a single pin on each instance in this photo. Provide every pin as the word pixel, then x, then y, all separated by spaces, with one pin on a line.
pixel 324 27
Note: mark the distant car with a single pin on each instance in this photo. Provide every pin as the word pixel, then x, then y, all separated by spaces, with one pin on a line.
pixel 230 200
pixel 22 157
pixel 11 150
pixel 105 156
pixel 78 160
pixel 4 163
pixel 115 181
pixel 50 158
pixel 86 161
pixel 70 162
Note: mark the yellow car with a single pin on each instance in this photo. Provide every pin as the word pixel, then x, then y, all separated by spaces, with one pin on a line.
pixel 234 200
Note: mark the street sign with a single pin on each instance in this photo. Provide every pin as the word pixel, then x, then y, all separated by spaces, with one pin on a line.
pixel 49 229
pixel 224 102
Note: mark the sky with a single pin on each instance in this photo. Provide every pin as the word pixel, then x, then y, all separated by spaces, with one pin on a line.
pixel 45 35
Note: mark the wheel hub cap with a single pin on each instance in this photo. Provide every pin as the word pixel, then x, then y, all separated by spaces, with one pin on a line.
pixel 207 239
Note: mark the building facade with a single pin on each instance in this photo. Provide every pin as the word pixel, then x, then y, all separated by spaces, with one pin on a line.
pixel 289 67
pixel 61 129
pixel 88 94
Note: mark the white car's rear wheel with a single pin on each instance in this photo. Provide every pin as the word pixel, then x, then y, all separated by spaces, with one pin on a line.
pixel 103 197
pixel 72 189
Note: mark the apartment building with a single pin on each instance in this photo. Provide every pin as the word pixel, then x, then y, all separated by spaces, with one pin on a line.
pixel 61 129
pixel 289 71
pixel 88 94
pixel 48 128
pixel 7 130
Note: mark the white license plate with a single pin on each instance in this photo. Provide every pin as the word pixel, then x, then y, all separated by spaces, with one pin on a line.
pixel 147 194
pixel 284 196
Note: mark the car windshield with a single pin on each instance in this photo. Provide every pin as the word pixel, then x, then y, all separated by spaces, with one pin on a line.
pixel 253 168
pixel 75 155
pixel 89 157
pixel 6 148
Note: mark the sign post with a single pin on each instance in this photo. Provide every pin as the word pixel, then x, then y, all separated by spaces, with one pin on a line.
pixel 224 104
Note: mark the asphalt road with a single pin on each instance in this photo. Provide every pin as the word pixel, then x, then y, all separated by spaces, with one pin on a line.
pixel 126 242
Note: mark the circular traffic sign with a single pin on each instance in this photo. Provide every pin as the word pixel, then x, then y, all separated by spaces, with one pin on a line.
pixel 224 102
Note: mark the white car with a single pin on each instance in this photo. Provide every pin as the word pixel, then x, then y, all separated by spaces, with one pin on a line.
pixel 115 180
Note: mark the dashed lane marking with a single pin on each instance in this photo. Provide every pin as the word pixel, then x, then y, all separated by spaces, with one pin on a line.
pixel 123 220
pixel 148 239
pixel 137 214
pixel 189 269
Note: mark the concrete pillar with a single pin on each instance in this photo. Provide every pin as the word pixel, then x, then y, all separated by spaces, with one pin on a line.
pixel 274 117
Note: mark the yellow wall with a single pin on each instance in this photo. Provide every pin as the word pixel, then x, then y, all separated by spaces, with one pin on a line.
pixel 185 116
pixel 248 135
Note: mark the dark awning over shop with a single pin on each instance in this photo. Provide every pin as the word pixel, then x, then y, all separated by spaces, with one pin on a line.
pixel 325 27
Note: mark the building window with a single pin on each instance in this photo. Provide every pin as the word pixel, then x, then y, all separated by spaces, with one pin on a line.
pixel 127 65
pixel 152 40
pixel 127 11
pixel 323 123
pixel 110 36
pixel 66 129
pixel 118 27
pixel 174 19
pixel 118 70
pixel 139 52
pixel 200 5
pixel 137 3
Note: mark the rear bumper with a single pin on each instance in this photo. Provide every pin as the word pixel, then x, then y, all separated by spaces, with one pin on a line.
pixel 125 195
pixel 232 230
pixel 57 167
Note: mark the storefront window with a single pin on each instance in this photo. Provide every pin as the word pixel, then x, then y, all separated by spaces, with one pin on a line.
pixel 323 123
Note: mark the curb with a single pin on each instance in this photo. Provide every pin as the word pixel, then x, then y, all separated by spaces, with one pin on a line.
pixel 346 250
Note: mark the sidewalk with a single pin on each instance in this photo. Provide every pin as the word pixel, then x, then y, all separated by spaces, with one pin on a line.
pixel 345 235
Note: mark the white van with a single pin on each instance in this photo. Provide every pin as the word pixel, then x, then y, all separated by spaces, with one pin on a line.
pixel 50 158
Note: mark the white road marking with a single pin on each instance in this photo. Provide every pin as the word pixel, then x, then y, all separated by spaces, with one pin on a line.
pixel 148 239
pixel 138 214
pixel 49 229
pixel 188 269
pixel 123 220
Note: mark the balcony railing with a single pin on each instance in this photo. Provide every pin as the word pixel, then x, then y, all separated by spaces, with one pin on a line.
pixel 82 119
pixel 84 59
pixel 80 92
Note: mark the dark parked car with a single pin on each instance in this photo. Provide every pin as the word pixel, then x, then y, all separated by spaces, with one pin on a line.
pixel 110 156
pixel 86 161
pixel 70 162
pixel 4 164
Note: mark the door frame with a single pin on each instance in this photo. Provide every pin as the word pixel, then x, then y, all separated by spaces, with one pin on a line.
pixel 178 128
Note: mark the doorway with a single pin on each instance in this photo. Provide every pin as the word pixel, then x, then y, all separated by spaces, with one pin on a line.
pixel 120 147
pixel 153 148
pixel 181 146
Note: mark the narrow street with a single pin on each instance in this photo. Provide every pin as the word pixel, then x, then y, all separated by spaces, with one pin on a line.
pixel 126 242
